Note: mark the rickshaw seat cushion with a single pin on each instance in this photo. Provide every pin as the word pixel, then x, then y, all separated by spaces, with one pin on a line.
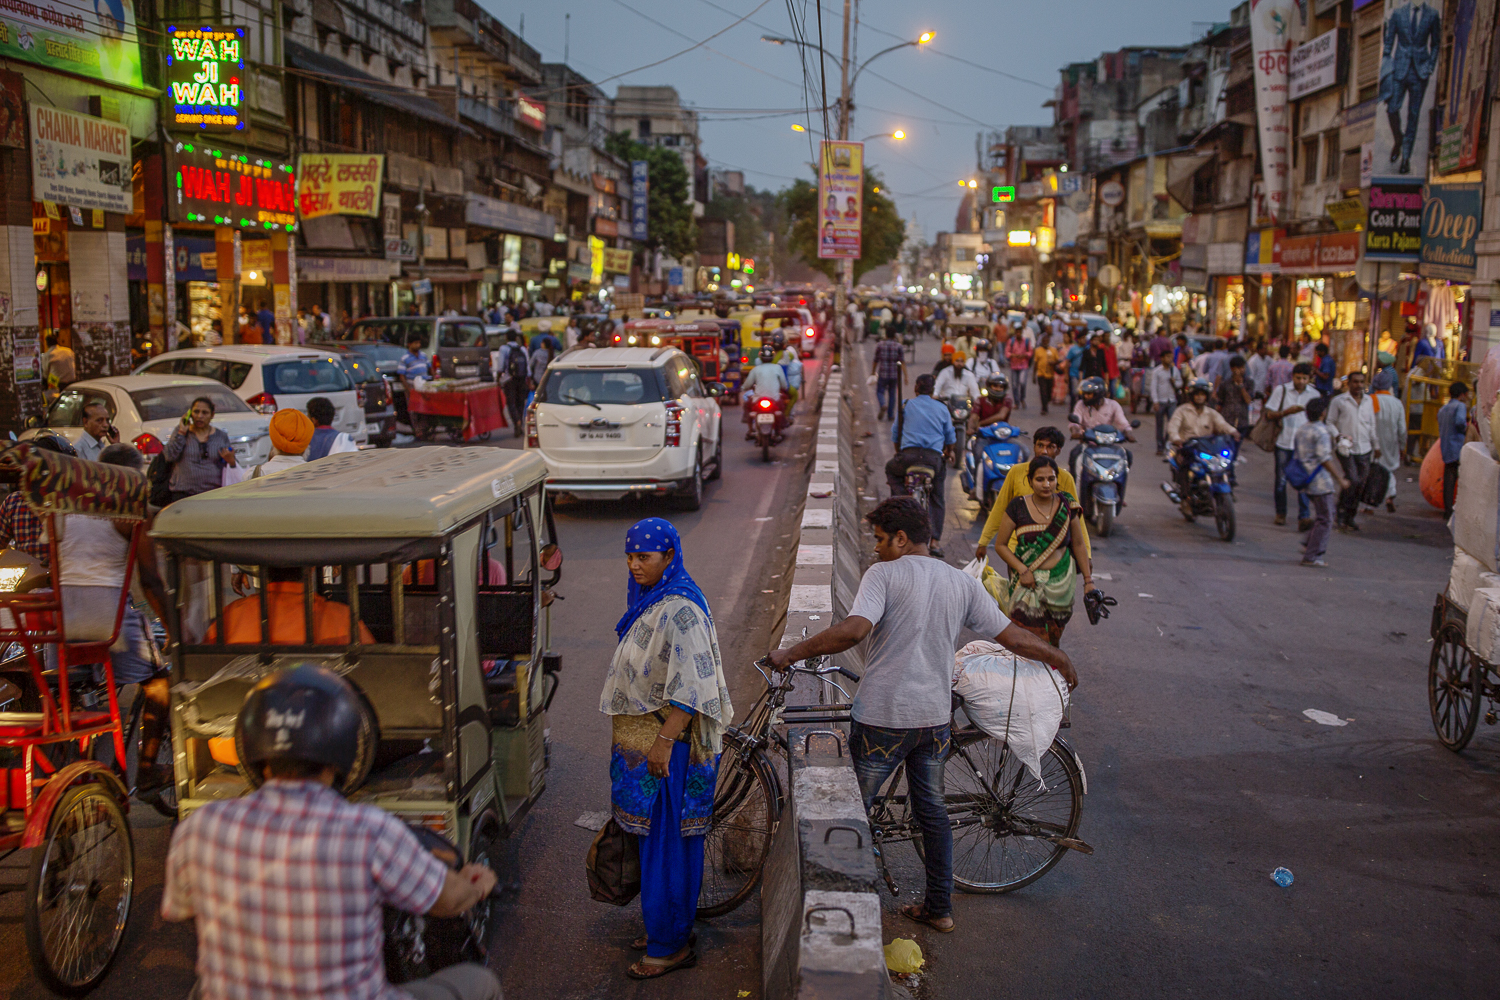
pixel 18 725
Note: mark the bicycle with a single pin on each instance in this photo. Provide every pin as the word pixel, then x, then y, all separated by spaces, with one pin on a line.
pixel 1008 832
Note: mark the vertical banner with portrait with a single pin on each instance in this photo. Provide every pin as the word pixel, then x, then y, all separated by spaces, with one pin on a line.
pixel 841 187
pixel 1410 44
pixel 1270 42
pixel 1464 108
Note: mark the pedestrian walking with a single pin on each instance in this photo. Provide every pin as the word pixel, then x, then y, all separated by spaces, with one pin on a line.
pixel 1257 369
pixel 291 432
pixel 326 439
pixel 1390 428
pixel 1351 416
pixel 888 372
pixel 515 371
pixel 912 610
pixel 1453 428
pixel 1323 369
pixel 1018 353
pixel 1287 404
pixel 1050 550
pixel 59 367
pixel 1279 372
pixel 197 451
pixel 668 703
pixel 1233 396
pixel 1313 448
pixel 1163 385
pixel 1045 359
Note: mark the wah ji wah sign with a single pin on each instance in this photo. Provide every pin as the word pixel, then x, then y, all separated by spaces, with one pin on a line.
pixel 205 68
pixel 339 184
pixel 232 189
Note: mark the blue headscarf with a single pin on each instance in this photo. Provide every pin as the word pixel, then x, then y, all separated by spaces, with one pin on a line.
pixel 656 534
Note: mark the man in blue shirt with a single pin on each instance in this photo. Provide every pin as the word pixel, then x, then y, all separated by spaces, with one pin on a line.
pixel 267 320
pixel 1323 369
pixel 923 436
pixel 1453 427
pixel 414 363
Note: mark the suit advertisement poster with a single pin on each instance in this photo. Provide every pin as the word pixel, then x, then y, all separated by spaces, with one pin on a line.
pixel 1410 44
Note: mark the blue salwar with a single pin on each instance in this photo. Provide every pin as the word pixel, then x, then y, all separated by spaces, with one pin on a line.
pixel 671 865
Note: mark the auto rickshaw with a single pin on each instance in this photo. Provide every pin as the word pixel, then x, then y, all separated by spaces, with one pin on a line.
pixel 973 327
pixel 420 575
pixel 700 341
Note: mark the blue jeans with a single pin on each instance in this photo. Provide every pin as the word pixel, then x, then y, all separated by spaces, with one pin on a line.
pixel 1304 509
pixel 887 394
pixel 1018 384
pixel 877 752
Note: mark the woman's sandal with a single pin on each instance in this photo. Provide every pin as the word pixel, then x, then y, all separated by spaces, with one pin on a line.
pixel 639 944
pixel 641 970
pixel 918 912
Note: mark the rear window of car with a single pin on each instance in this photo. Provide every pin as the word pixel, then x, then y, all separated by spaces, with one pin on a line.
pixel 172 401
pixel 385 332
pixel 580 386
pixel 461 335
pixel 307 376
pixel 361 371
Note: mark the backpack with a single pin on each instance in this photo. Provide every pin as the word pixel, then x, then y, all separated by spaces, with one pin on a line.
pixel 515 363
pixel 158 481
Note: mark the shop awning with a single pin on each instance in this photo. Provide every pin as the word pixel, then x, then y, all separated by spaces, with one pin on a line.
pixel 339 73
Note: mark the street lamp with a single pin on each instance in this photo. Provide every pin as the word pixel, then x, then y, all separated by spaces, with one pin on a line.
pixel 847 101
pixel 898 134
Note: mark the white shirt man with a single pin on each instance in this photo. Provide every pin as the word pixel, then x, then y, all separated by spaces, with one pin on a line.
pixel 766 380
pixel 1285 397
pixel 1352 415
pixel 953 381
pixel 1257 367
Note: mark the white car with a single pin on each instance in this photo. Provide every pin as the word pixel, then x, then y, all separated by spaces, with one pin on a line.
pixel 145 409
pixel 613 421
pixel 269 377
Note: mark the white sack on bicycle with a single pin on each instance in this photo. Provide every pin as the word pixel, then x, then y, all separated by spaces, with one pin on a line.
pixel 1011 698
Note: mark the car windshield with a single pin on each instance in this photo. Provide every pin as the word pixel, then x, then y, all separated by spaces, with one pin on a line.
pixel 581 386
pixel 171 401
pixel 461 335
pixel 307 376
pixel 389 331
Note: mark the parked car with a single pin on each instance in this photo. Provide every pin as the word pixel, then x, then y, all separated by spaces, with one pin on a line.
pixel 145 409
pixel 382 339
pixel 271 376
pixel 614 421
pixel 375 393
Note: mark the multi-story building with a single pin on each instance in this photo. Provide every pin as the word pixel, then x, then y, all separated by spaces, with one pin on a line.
pixel 656 116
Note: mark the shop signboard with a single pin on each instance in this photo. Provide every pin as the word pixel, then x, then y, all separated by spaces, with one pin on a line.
pixel 206 76
pixel 226 188
pixel 1393 227
pixel 841 178
pixel 1263 251
pixel 640 186
pixel 1413 39
pixel 80 161
pixel 195 258
pixel 1270 21
pixel 1112 193
pixel 1347 213
pixel 94 40
pixel 1314 65
pixel 1468 73
pixel 346 269
pixel 339 184
pixel 617 261
pixel 1450 223
pixel 674 276
pixel 531 112
pixel 507 216
pixel 1327 253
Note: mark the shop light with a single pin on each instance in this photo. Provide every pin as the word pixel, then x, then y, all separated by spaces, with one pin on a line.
pixel 1018 238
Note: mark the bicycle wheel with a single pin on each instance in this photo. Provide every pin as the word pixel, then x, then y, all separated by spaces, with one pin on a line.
pixel 164 799
pixel 747 806
pixel 1005 826
pixel 79 891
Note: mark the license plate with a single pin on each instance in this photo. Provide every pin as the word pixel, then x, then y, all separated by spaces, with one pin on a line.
pixel 765 419
pixel 372 429
pixel 601 435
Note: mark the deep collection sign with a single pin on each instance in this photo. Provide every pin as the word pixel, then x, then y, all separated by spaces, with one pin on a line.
pixel 1393 227
pixel 841 188
pixel 80 161
pixel 205 76
pixel 339 184
pixel 95 40
pixel 1450 222
pixel 231 189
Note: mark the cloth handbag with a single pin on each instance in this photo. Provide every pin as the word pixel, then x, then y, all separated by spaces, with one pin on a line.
pixel 1298 475
pixel 614 865
pixel 1267 430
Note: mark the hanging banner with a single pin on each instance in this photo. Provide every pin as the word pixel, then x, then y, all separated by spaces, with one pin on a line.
pixel 841 184
pixel 1411 42
pixel 339 184
pixel 80 161
pixel 1450 223
pixel 1463 113
pixel 640 187
pixel 94 40
pixel 1393 228
pixel 1270 24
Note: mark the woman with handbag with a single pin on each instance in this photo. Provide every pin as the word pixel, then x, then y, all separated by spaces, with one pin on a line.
pixel 1051 548
pixel 669 703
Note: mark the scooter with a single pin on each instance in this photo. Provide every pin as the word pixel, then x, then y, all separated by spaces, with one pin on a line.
pixel 988 461
pixel 960 407
pixel 767 424
pixel 1210 489
pixel 1103 468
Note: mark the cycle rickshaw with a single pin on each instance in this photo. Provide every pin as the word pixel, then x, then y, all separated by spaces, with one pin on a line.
pixel 1458 679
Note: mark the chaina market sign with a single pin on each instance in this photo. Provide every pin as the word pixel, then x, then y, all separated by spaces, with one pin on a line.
pixel 205 75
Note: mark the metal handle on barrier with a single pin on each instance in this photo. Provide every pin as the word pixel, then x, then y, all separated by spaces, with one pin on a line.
pixel 807 918
pixel 807 740
pixel 859 837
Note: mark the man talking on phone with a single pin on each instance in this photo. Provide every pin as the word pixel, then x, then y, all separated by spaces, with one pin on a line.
pixel 98 432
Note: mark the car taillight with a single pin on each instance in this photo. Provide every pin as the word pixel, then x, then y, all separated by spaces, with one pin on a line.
pixel 262 402
pixel 147 444
pixel 744 358
pixel 531 437
pixel 674 423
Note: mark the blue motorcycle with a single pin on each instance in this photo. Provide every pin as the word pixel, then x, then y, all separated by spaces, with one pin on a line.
pixel 995 448
pixel 1103 468
pixel 1210 482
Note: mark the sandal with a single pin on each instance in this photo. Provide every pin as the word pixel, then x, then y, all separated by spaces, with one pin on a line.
pixel 639 944
pixel 643 970
pixel 918 912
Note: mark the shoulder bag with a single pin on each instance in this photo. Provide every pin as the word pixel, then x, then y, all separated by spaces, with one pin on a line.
pixel 1268 429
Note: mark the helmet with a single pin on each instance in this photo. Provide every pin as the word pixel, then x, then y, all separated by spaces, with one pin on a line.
pixel 307 713
pixel 997 383
pixel 1202 385
pixel 981 345
pixel 1091 387
pixel 778 339
pixel 767 352
pixel 49 440
pixel 947 349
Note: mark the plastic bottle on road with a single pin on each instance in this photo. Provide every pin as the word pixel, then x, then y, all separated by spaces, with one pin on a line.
pixel 1282 877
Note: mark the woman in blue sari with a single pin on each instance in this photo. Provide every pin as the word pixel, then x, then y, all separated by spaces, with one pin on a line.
pixel 669 704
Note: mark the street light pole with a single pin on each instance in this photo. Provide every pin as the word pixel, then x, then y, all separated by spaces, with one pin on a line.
pixel 846 265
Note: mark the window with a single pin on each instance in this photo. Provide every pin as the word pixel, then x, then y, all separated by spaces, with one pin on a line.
pixel 960 253
pixel 1367 54
pixel 643 128
pixel 1332 155
pixel 387 332
pixel 307 376
pixel 1310 160
pixel 577 386
pixel 172 401
pixel 68 410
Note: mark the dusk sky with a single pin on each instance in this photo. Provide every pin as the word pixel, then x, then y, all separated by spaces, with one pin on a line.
pixel 990 65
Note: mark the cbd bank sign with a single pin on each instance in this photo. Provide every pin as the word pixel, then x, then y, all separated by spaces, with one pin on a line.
pixel 205 77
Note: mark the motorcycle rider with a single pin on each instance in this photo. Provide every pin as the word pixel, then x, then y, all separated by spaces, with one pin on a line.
pixel 994 404
pixel 956 380
pixel 984 364
pixel 295 872
pixel 765 381
pixel 923 434
pixel 1194 419
pixel 1095 408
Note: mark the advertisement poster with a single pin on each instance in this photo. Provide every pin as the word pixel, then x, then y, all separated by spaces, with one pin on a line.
pixel 1314 65
pixel 97 40
pixel 1270 40
pixel 27 357
pixel 12 109
pixel 841 187
pixel 79 161
pixel 1410 44
pixel 640 186
pixel 339 184
pixel 1450 223
pixel 1393 229
pixel 1463 117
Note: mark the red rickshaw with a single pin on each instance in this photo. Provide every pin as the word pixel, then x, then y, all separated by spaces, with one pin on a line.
pixel 699 340
pixel 60 801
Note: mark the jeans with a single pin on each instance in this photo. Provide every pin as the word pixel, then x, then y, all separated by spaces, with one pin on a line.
pixel 1450 487
pixel 1283 456
pixel 1356 468
pixel 895 478
pixel 1044 389
pixel 887 395
pixel 876 753
pixel 1317 537
pixel 515 403
pixel 1163 414
pixel 1018 384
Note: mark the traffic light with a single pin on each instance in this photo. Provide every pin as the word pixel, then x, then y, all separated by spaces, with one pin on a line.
pixel 747 266
pixel 1000 194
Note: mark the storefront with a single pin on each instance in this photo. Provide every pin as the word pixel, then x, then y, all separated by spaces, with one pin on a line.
pixel 370 280
pixel 1321 274
pixel 519 235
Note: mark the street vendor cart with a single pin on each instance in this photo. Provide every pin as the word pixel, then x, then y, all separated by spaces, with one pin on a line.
pixel 465 409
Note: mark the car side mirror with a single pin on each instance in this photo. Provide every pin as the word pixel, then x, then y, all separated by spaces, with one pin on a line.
pixel 33 422
pixel 551 557
pixel 714 389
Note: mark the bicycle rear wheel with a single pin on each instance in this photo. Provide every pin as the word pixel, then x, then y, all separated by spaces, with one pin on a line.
pixel 1005 826
pixel 747 806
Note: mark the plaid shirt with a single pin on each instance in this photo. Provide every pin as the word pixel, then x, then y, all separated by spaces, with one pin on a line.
pixel 287 885
pixel 888 355
pixel 20 524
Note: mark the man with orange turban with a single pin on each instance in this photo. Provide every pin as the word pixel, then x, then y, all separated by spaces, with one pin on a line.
pixel 291 433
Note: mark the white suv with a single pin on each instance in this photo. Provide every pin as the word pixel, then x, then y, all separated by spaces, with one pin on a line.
pixel 613 421
pixel 270 376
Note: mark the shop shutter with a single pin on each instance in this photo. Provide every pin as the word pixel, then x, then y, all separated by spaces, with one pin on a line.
pixel 1368 25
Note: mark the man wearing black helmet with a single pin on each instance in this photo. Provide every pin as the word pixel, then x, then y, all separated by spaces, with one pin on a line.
pixel 1093 409
pixel 287 883
pixel 923 434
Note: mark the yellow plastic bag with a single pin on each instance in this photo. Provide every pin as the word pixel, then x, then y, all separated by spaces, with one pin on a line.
pixel 994 583
pixel 903 955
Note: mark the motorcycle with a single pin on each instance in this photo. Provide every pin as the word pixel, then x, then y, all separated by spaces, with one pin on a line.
pixel 960 407
pixel 909 343
pixel 996 448
pixel 767 424
pixel 1103 468
pixel 1210 489
pixel 416 946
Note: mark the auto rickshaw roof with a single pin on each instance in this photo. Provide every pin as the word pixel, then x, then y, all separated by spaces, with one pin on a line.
pixel 968 321
pixel 672 326
pixel 388 494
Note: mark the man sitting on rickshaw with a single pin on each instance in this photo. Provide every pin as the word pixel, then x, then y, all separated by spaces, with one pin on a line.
pixel 286 615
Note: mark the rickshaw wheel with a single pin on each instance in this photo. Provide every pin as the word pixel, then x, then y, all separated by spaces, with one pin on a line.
pixel 1454 687
pixel 79 891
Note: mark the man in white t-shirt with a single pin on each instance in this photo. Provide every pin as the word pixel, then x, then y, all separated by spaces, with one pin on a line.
pixel 1288 403
pixel 913 609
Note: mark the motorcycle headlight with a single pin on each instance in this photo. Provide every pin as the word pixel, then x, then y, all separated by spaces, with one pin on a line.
pixel 1101 471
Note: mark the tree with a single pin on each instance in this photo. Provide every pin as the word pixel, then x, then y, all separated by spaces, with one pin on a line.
pixel 749 234
pixel 669 207
pixel 881 234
